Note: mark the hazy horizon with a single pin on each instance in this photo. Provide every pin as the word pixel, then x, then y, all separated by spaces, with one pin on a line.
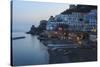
pixel 30 12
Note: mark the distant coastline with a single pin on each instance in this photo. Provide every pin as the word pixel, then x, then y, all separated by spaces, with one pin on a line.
pixel 15 38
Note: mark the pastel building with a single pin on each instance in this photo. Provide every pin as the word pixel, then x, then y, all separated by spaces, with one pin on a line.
pixel 76 18
pixel 91 18
pixel 51 23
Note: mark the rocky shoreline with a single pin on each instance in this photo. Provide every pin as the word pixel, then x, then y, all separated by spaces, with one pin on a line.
pixel 72 55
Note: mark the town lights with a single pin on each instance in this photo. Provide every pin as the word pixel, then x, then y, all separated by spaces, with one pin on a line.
pixel 80 42
pixel 64 33
pixel 55 32
pixel 60 28
pixel 78 38
pixel 93 30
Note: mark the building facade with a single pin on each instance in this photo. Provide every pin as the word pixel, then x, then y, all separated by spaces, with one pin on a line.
pixel 77 20
pixel 91 18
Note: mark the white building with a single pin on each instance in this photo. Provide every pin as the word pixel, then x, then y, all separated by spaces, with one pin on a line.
pixel 76 20
pixel 91 18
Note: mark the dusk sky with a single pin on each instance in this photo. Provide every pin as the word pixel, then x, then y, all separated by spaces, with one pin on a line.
pixel 35 11
pixel 30 12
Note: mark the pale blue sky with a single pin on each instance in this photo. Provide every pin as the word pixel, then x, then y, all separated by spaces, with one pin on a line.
pixel 33 12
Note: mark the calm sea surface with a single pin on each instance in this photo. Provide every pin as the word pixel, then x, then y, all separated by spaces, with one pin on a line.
pixel 28 50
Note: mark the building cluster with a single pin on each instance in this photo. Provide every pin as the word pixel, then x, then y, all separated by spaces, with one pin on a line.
pixel 76 18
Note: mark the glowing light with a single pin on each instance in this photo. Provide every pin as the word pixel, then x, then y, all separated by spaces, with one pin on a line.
pixel 79 42
pixel 78 38
pixel 64 33
pixel 55 32
pixel 59 28
pixel 94 30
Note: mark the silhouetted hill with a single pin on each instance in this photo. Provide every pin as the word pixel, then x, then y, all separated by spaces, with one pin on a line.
pixel 80 8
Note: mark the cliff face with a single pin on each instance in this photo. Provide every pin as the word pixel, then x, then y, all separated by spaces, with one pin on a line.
pixel 32 30
pixel 38 30
pixel 79 8
pixel 73 8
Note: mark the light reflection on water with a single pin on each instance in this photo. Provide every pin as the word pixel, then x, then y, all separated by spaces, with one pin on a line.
pixel 29 50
